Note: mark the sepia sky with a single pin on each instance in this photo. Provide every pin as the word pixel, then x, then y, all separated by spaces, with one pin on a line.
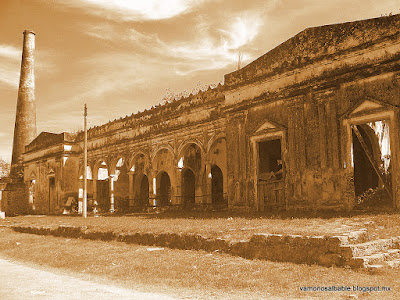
pixel 121 57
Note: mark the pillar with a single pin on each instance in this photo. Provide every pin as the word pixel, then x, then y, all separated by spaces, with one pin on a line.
pixel 152 188
pixel 31 194
pixel 208 181
pixel 80 196
pixel 178 189
pixel 94 186
pixel 112 204
pixel 131 194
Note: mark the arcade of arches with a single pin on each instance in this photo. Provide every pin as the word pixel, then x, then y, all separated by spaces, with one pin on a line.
pixel 184 179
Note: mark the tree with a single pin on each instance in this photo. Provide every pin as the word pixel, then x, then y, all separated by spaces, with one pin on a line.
pixel 171 95
pixel 4 168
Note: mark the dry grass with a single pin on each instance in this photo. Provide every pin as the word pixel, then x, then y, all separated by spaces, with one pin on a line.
pixel 188 274
pixel 236 228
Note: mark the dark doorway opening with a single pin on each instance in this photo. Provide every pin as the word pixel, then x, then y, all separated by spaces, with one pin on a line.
pixel 217 185
pixel 52 189
pixel 164 189
pixel 271 193
pixel 121 186
pixel 103 194
pixel 270 159
pixel 188 188
pixel 365 177
pixel 144 192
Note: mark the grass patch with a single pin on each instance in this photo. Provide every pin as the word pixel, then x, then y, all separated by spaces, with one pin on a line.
pixel 187 274
pixel 232 228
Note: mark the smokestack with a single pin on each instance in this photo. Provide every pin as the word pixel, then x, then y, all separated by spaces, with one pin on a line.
pixel 25 119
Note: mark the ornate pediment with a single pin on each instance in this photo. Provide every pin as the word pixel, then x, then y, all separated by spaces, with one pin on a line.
pixel 32 175
pixel 268 126
pixel 367 106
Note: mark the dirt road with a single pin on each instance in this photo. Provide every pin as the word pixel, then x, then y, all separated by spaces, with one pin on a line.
pixel 18 281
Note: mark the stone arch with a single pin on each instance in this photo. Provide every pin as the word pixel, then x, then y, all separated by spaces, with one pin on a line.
pixel 140 179
pixel 90 187
pixel 99 163
pixel 191 156
pixel 183 146
pixel 161 147
pixel 102 184
pixel 121 183
pixel 164 161
pixel 116 162
pixel 89 173
pixel 141 158
pixel 214 139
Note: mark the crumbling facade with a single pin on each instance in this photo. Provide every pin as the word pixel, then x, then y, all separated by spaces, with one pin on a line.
pixel 312 124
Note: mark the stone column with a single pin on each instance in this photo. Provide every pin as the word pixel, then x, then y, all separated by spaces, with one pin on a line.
pixel 208 198
pixel 94 185
pixel 80 196
pixel 178 189
pixel 152 188
pixel 131 192
pixel 112 204
pixel 31 194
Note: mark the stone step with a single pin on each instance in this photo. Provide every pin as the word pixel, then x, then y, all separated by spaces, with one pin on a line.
pixel 380 257
pixel 371 247
pixel 375 268
pixel 395 263
pixel 357 236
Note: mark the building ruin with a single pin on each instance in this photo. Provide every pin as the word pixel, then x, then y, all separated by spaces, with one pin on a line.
pixel 312 124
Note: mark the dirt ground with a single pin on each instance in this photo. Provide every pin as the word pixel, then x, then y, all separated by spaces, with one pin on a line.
pixel 18 281
pixel 197 274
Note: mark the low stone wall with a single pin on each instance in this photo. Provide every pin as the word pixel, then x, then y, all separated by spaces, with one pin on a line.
pixel 322 250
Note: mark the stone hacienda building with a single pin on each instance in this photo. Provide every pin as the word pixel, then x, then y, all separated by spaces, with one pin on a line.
pixel 291 130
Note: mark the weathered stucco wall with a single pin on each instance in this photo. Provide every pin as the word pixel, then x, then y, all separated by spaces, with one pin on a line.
pixel 306 94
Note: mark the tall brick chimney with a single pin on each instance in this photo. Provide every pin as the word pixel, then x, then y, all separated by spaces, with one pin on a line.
pixel 25 120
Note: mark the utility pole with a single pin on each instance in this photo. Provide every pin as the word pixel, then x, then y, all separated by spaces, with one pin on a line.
pixel 84 212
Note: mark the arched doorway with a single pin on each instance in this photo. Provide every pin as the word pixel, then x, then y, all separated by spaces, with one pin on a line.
pixel 217 185
pixel 163 189
pixel 188 188
pixel 365 177
pixel 102 187
pixel 144 192
pixel 121 186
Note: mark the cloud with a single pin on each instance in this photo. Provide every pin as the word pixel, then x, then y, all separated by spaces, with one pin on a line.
pixel 8 75
pixel 242 31
pixel 136 10
pixel 9 65
pixel 7 51
pixel 210 52
pixel 214 47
